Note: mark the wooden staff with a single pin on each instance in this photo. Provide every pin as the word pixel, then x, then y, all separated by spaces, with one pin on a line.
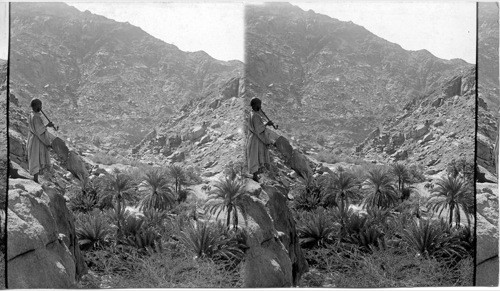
pixel 55 127
pixel 275 126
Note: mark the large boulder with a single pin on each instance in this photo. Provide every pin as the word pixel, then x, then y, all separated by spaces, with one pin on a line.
pixel 285 224
pixel 177 156
pixel 293 158
pixel 230 89
pixel 76 166
pixel 61 149
pixel 487 234
pixel 274 257
pixel 17 148
pixel 42 248
pixel 397 139
pixel 420 131
pixel 453 87
pixel 174 141
pixel 266 263
pixel 197 132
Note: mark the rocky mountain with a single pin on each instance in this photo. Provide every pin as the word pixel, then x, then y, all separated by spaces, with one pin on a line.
pixel 3 108
pixel 104 80
pixel 3 163
pixel 488 86
pixel 432 130
pixel 487 146
pixel 319 76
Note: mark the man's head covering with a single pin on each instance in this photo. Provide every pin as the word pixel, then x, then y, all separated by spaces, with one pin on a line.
pixel 255 101
pixel 35 102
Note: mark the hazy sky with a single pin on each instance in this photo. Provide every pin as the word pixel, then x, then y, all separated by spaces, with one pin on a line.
pixel 216 28
pixel 446 29
pixel 4 26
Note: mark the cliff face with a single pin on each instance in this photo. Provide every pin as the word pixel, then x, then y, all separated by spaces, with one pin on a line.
pixel 432 130
pixel 99 77
pixel 487 146
pixel 321 76
pixel 488 87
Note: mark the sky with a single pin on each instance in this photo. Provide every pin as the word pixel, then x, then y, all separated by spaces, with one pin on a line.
pixel 216 28
pixel 4 25
pixel 446 29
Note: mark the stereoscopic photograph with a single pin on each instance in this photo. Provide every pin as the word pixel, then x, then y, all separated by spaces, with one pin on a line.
pixel 256 145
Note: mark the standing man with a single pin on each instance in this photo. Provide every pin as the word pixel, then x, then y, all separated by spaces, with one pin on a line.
pixel 257 142
pixel 38 141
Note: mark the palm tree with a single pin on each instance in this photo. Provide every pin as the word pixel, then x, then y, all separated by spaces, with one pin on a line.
pixel 179 175
pixel 402 175
pixel 120 186
pixel 455 195
pixel 462 167
pixel 343 186
pixel 159 197
pixel 227 196
pixel 381 192
pixel 315 229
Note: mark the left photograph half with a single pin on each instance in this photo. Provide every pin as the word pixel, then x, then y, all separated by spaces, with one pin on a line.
pixel 125 136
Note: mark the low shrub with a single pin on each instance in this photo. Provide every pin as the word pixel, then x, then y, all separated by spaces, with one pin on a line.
pixel 316 229
pixel 93 230
pixel 213 241
pixel 175 268
pixel 341 266
pixel 310 197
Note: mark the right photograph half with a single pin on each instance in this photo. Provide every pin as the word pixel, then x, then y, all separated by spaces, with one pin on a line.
pixel 487 145
pixel 363 115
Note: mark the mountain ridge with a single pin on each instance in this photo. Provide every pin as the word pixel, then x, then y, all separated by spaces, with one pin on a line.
pixel 309 65
pixel 97 69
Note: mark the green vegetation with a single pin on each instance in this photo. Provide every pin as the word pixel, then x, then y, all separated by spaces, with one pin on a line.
pixel 159 196
pixel 135 231
pixel 227 197
pixel 368 227
pixel 359 227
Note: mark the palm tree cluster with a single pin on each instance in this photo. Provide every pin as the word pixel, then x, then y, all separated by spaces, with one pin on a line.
pixel 380 210
pixel 139 215
pixel 156 190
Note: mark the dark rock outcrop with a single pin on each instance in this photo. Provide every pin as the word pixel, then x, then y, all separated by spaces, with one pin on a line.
pixel 284 223
pixel 42 248
pixel 274 257
pixel 487 263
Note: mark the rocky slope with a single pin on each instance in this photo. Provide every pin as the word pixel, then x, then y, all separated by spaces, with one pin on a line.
pixel 487 146
pixel 323 77
pixel 488 87
pixel 430 131
pixel 102 79
pixel 3 163
pixel 207 135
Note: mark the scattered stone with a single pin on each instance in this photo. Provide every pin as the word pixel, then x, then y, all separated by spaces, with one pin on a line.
pixel 420 131
pixel 177 156
pixel 204 139
pixel 197 132
pixel 431 172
